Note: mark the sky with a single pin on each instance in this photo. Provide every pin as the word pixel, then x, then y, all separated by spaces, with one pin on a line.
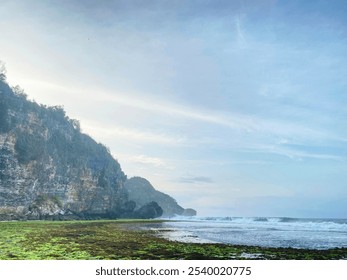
pixel 234 108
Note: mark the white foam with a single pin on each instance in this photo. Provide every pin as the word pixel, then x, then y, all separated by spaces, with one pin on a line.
pixel 269 231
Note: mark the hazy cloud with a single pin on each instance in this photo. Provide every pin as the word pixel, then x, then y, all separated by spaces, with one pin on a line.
pixel 147 160
pixel 195 179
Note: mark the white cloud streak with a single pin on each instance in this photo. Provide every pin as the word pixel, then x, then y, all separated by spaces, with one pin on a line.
pixel 240 122
pixel 143 159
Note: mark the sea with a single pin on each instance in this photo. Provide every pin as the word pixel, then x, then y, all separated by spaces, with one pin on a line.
pixel 257 231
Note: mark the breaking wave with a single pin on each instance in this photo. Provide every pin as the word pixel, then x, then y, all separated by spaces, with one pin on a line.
pixel 265 231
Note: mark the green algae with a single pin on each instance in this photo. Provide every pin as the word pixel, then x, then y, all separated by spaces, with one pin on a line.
pixel 120 240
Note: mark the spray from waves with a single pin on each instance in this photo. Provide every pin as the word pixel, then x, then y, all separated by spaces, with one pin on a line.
pixel 263 231
pixel 277 223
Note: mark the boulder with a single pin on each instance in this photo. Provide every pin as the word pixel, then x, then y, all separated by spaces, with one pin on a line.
pixel 189 212
pixel 149 211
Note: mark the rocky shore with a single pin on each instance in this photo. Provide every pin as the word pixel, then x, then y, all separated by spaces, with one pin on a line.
pixel 122 239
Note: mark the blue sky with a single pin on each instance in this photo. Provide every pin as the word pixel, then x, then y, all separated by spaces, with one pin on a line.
pixel 232 107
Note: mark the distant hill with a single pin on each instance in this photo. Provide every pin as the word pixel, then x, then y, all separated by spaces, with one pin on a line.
pixel 50 170
pixel 142 192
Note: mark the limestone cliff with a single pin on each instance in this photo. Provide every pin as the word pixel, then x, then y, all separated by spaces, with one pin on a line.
pixel 48 168
pixel 142 192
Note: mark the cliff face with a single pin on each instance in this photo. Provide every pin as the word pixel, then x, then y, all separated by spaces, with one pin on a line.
pixel 49 168
pixel 142 192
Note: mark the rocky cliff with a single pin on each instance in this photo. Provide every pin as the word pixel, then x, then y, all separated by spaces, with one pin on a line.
pixel 49 169
pixel 142 192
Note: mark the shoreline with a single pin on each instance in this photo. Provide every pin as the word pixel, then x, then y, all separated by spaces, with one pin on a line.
pixel 124 239
pixel 248 252
pixel 278 233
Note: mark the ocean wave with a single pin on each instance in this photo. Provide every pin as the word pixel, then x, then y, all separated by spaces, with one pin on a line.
pixel 266 231
pixel 280 223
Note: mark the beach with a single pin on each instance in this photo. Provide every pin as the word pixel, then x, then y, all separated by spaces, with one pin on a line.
pixel 128 240
pixel 278 232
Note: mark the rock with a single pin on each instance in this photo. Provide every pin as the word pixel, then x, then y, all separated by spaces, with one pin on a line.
pixel 149 211
pixel 142 192
pixel 189 212
pixel 45 206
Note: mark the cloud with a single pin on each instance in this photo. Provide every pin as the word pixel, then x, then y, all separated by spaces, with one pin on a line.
pixel 241 40
pixel 296 153
pixel 241 122
pixel 143 159
pixel 254 134
pixel 107 130
pixel 195 179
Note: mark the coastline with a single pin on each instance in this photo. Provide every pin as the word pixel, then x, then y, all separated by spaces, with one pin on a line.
pixel 124 239
pixel 279 232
